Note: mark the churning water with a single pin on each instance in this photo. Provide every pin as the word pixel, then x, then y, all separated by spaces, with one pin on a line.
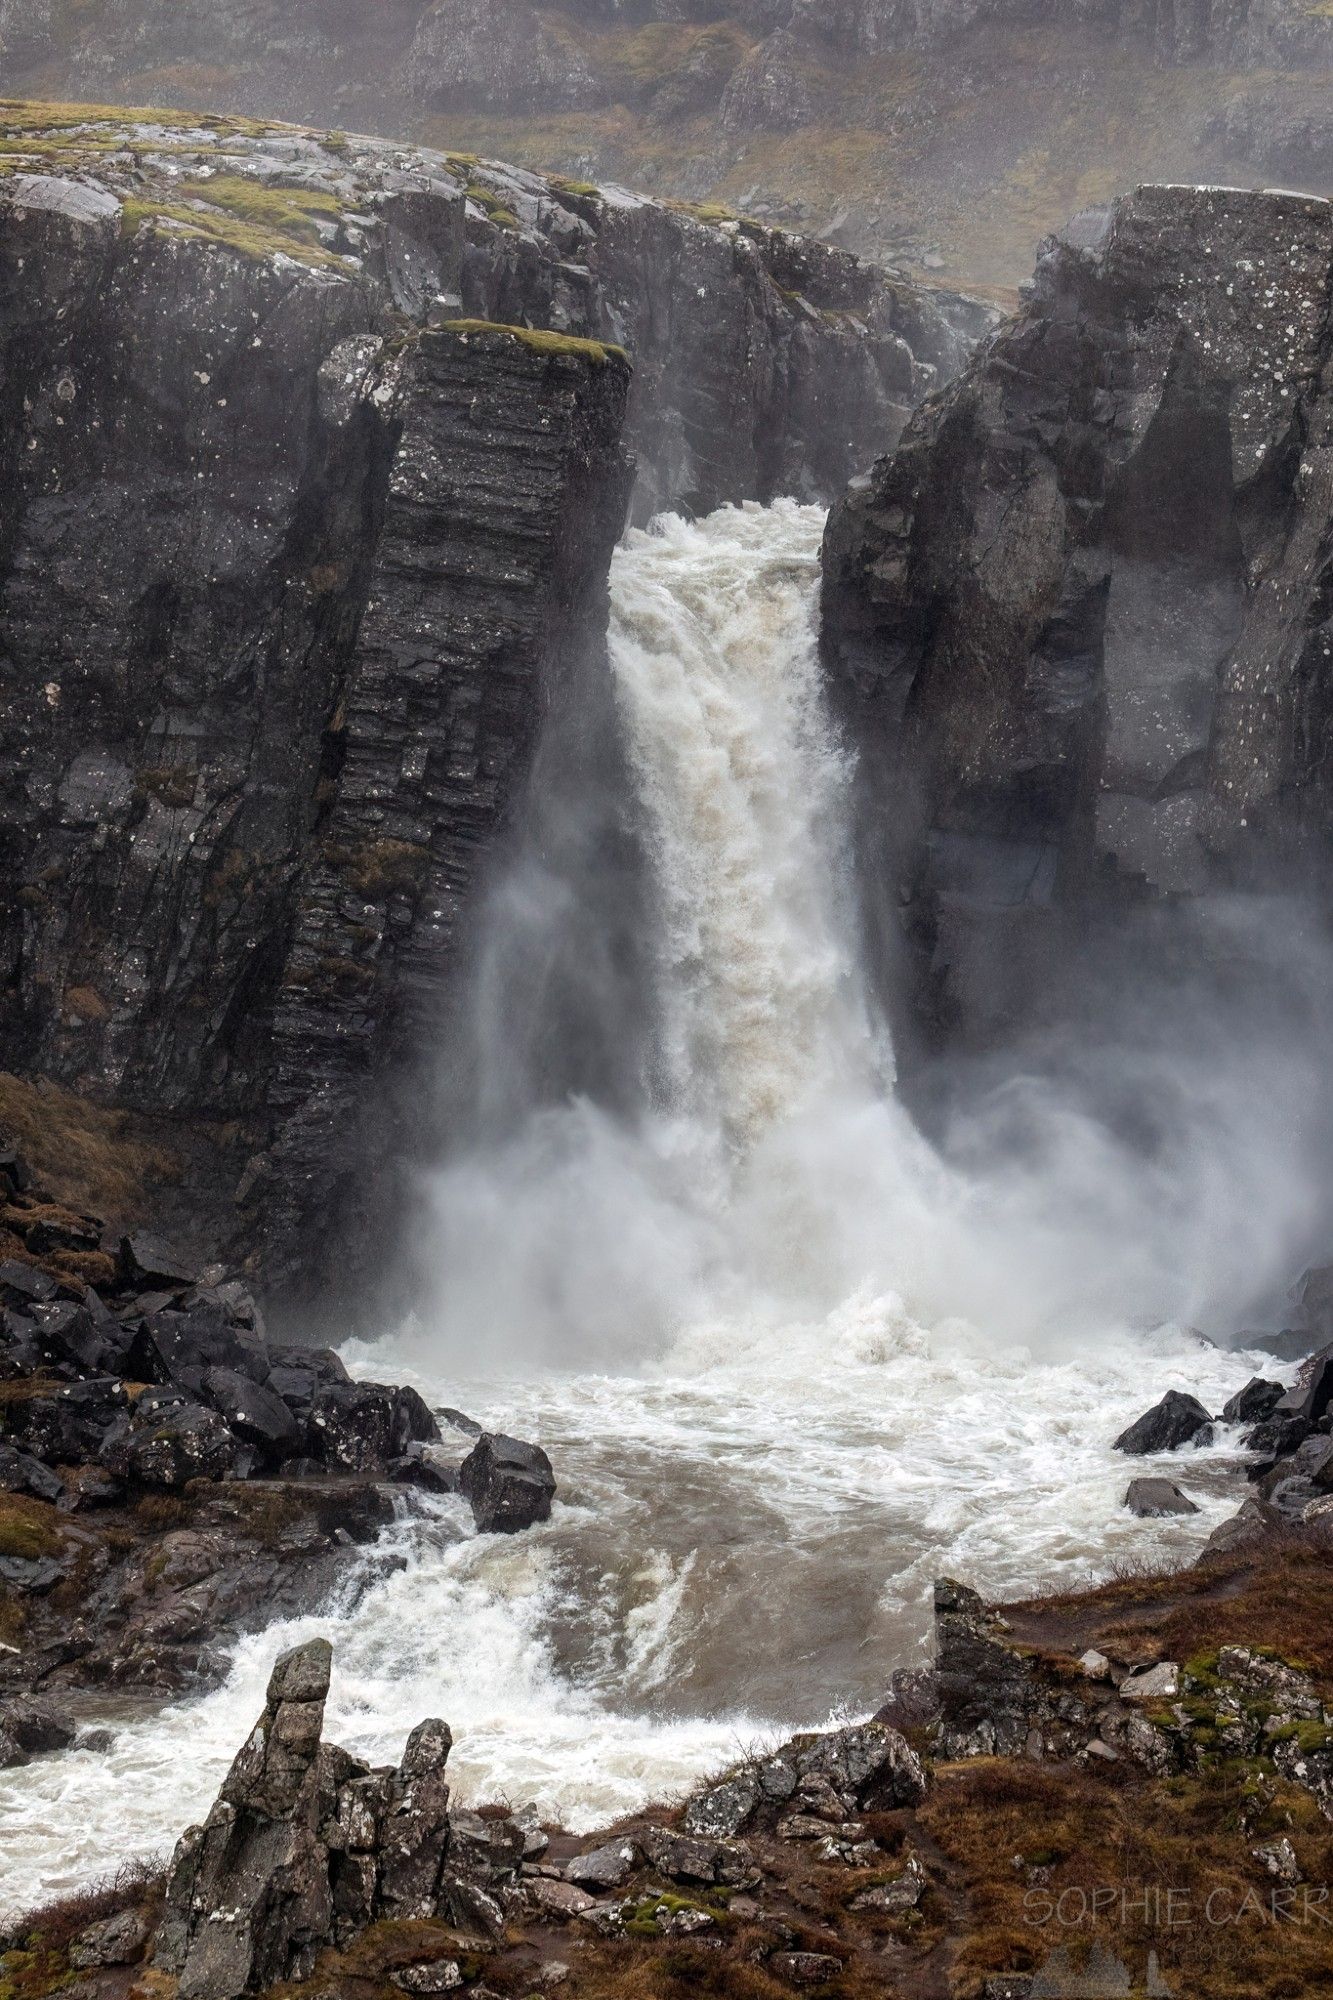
pixel 790 1362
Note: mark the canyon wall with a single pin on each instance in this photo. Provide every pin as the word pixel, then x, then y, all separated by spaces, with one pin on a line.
pixel 296 549
pixel 1080 625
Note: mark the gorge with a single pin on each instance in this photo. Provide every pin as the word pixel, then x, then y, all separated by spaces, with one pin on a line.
pixel 636 983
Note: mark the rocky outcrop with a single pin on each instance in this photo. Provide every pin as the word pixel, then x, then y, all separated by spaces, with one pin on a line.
pixel 295 551
pixel 1078 624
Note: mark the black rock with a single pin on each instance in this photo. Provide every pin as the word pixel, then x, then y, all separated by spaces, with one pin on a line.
pixel 21 1351
pixel 1257 1400
pixel 1275 1438
pixel 69 1334
pixel 1178 1419
pixel 509 1484
pixel 365 1426
pixel 169 1446
pixel 182 1347
pixel 20 1472
pixel 145 1261
pixel 1312 1461
pixel 32 1577
pixel 30 1725
pixel 69 1426
pixel 252 1410
pixel 23 1285
pixel 1312 1295
pixel 1152 1499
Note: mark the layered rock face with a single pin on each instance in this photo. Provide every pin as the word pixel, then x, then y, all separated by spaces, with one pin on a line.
pixel 1079 624
pixel 295 552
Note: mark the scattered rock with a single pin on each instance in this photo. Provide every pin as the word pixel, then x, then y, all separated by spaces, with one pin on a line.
pixel 1177 1420
pixel 1095 1665
pixel 558 1899
pixel 117 1940
pixel 1153 1499
pixel 606 1867
pixel 1159 1683
pixel 509 1484
pixel 804 1968
pixel 683 1857
pixel 29 1726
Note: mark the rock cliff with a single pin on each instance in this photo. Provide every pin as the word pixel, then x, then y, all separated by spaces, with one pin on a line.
pixel 296 547
pixel 1079 623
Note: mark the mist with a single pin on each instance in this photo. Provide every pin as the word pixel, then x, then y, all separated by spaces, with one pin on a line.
pixel 698 1138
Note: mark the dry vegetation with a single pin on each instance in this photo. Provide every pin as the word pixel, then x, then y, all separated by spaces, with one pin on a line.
pixel 95 1157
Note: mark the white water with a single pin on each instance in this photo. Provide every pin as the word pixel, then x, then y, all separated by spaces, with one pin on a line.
pixel 789 1363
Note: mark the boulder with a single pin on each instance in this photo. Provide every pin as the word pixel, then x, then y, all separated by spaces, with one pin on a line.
pixel 1178 1419
pixel 144 1261
pixel 117 1940
pixel 682 1857
pixel 253 1413
pixel 20 1472
pixel 1152 1499
pixel 509 1484
pixel 606 1867
pixel 1252 1404
pixel 1159 1683
pixel 365 1426
pixel 24 1285
pixel 31 1725
pixel 71 1425
pixel 178 1346
pixel 248 1897
pixel 987 1693
pixel 1309 1399
pixel 168 1445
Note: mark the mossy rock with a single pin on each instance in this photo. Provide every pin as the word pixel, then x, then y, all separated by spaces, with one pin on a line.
pixel 540 340
pixel 28 1529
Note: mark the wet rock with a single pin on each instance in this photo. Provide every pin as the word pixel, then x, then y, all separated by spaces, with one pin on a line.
pixel 253 1412
pixel 70 1426
pixel 175 1346
pixel 486 1847
pixel 1277 1437
pixel 414 1834
pixel 607 1867
pixel 248 1896
pixel 88 1486
pixel 30 1725
pixel 1310 1463
pixel 1309 1400
pixel 987 1693
pixel 430 1466
pixel 24 1285
pixel 1152 1499
pixel 1177 1420
pixel 509 1484
pixel 1252 1523
pixel 169 1446
pixel 364 1426
pixel 117 1940
pixel 1255 1402
pixel 20 1472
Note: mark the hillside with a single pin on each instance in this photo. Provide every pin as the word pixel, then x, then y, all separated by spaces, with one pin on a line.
pixel 945 141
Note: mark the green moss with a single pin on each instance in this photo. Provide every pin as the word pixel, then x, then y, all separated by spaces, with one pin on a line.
pixel 266 230
pixel 27 1529
pixel 542 341
pixel 563 185
pixel 280 211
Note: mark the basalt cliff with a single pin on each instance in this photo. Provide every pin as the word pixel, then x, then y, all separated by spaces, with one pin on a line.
pixel 314 452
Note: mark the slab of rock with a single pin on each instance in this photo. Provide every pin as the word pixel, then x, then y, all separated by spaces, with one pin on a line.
pixel 1159 1683
pixel 117 1940
pixel 509 1484
pixel 1178 1419
pixel 682 1857
pixel 1154 1499
pixel 607 1867
pixel 558 1899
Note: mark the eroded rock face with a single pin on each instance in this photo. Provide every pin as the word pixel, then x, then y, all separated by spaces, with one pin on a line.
pixel 1079 623
pixel 294 555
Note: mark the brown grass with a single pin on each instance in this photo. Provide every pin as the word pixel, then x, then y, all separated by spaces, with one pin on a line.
pixel 88 1153
pixel 28 1528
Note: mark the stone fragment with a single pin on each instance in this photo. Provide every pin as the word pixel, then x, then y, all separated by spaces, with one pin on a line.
pixel 168 1447
pixel 606 1867
pixel 1095 1665
pixel 509 1484
pixel 1159 1683
pixel 1252 1404
pixel 117 1940
pixel 804 1968
pixel 30 1725
pixel 1177 1420
pixel 683 1857
pixel 1153 1499
pixel 558 1899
